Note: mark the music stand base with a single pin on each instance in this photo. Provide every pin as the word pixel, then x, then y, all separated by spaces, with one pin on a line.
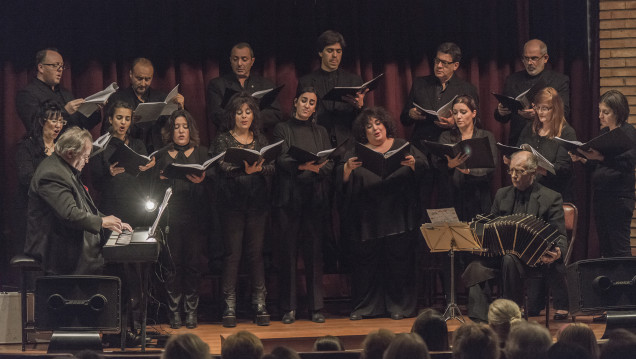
pixel 452 312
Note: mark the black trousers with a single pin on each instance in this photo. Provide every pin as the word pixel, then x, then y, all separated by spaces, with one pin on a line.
pixel 613 217
pixel 301 230
pixel 185 243
pixel 384 276
pixel 243 232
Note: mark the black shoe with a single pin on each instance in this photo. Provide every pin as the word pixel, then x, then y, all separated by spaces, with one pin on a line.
pixel 317 317
pixel 355 316
pixel 191 320
pixel 600 319
pixel 229 317
pixel 561 316
pixel 397 316
pixel 261 317
pixel 175 320
pixel 289 317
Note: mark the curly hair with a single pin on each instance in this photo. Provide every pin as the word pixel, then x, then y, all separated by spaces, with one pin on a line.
pixel 359 125
pixel 234 105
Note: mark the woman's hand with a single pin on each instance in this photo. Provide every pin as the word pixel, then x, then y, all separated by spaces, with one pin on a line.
pixel 351 164
pixel 592 154
pixel 311 166
pixel 409 161
pixel 196 179
pixel 148 166
pixel 542 171
pixel 114 170
pixel 577 158
pixel 255 167
pixel 457 160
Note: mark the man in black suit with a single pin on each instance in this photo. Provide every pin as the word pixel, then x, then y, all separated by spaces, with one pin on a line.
pixel 64 228
pixel 241 79
pixel 535 57
pixel 46 87
pixel 524 196
pixel 336 116
pixel 140 91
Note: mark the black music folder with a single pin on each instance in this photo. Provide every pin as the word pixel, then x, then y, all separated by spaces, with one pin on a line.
pixel 444 111
pixel 236 155
pixel 130 160
pixel 610 144
pixel 304 156
pixel 265 98
pixel 523 100
pixel 336 93
pixel 382 164
pixel 477 149
pixel 180 170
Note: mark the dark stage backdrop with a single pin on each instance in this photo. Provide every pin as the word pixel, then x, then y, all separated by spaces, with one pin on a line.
pixel 189 43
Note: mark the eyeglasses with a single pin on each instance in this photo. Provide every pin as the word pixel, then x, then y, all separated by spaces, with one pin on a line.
pixel 55 121
pixel 531 59
pixel 438 61
pixel 58 66
pixel 542 109
pixel 520 172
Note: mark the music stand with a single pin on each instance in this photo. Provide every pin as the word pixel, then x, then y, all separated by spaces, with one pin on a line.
pixel 450 237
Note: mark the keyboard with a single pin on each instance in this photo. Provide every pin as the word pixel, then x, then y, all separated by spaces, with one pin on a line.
pixel 131 247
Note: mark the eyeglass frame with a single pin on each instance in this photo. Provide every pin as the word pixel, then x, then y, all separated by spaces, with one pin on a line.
pixel 543 109
pixel 521 172
pixel 55 121
pixel 533 59
pixel 438 61
pixel 58 66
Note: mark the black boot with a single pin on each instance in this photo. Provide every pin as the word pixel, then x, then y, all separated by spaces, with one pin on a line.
pixel 229 313
pixel 175 320
pixel 261 317
pixel 191 319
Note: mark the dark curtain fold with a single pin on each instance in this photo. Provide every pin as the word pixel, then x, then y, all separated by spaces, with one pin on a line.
pixel 189 43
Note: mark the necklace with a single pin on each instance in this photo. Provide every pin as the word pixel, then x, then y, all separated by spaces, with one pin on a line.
pixel 245 141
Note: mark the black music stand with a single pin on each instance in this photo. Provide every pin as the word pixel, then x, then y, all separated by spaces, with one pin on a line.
pixel 450 237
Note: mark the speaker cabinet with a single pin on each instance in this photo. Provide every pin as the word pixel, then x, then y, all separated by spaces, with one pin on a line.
pixel 602 284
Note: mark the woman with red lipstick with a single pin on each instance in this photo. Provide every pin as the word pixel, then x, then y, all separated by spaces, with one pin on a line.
pixel 470 187
pixel 187 214
pixel 121 194
pixel 243 204
pixel 383 216
pixel 301 197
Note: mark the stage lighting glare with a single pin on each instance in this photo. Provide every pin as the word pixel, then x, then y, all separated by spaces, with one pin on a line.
pixel 150 205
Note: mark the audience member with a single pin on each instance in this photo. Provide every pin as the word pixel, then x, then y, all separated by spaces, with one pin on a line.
pixel 581 334
pixel 328 343
pixel 283 352
pixel 407 346
pixel 375 343
pixel 187 346
pixel 242 345
pixel 431 326
pixel 475 341
pixel 502 313
pixel 565 350
pixel 621 345
pixel 528 341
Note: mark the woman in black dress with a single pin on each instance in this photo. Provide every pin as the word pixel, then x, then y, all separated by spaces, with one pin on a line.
pixel 243 205
pixel 383 216
pixel 612 179
pixel 186 216
pixel 301 198
pixel 470 186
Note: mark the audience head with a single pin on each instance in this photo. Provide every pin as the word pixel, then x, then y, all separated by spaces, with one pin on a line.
pixel 621 345
pixel 242 111
pixel 527 341
pixel 431 326
pixel 523 168
pixel 613 109
pixel 88 354
pixel 475 341
pixel 50 65
pixel 534 56
pixel 282 352
pixel 501 314
pixel 407 346
pixel 564 350
pixel 186 346
pixel 581 334
pixel 75 146
pixel 120 119
pixel 242 345
pixel 548 106
pixel 446 61
pixel 328 343
pixel 141 73
pixel 48 121
pixel 373 124
pixel 330 45
pixel 375 343
pixel 241 59
pixel 180 129
pixel 305 104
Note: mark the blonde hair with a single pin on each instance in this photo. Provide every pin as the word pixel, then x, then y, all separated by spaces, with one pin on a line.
pixel 551 96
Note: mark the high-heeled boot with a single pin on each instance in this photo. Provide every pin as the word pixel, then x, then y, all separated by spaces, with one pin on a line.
pixel 229 313
pixel 261 317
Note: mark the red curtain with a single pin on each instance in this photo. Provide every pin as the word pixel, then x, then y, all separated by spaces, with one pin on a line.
pixel 189 43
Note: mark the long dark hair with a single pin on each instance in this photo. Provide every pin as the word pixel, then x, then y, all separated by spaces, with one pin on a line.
pixel 47 109
pixel 235 104
pixel 470 102
pixel 167 131
pixel 111 113
pixel 308 89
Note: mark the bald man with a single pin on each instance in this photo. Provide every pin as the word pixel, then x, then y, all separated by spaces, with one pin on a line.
pixel 534 58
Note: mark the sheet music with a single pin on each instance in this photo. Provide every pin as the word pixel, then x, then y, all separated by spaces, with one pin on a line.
pixel 162 207
pixel 442 215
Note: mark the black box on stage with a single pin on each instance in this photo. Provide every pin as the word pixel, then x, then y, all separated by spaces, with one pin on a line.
pixel 602 284
pixel 78 303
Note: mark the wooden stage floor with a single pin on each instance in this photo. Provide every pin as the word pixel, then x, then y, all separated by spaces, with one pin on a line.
pixel 301 334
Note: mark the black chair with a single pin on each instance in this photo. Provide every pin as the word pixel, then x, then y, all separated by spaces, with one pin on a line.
pixel 26 265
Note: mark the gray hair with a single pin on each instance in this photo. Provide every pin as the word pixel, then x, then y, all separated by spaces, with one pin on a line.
pixel 542 46
pixel 532 162
pixel 72 141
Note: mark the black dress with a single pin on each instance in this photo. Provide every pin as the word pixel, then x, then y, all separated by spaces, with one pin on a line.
pixel 384 216
pixel 243 205
pixel 301 199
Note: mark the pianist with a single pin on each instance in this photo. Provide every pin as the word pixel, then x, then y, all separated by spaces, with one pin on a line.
pixel 65 231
